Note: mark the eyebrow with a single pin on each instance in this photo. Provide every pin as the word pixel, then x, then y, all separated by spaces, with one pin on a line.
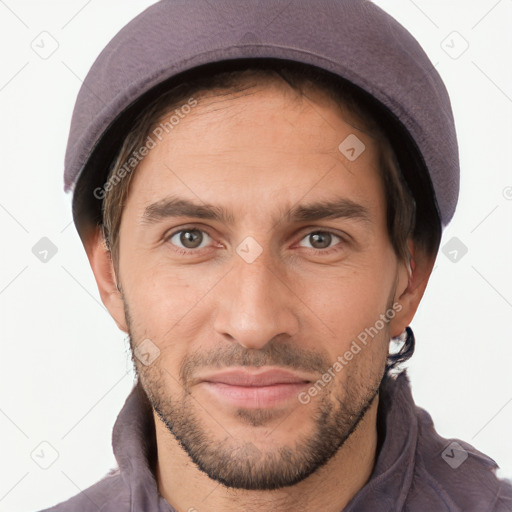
pixel 179 207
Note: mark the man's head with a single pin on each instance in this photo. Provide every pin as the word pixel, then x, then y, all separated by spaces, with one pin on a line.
pixel 270 228
pixel 262 235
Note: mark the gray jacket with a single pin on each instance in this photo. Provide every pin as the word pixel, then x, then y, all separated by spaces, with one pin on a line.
pixel 416 470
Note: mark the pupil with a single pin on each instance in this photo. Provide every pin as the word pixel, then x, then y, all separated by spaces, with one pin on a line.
pixel 321 240
pixel 191 238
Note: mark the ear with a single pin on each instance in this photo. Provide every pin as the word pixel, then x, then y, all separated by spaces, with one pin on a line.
pixel 410 289
pixel 104 273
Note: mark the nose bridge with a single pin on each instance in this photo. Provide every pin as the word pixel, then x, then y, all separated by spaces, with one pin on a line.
pixel 256 304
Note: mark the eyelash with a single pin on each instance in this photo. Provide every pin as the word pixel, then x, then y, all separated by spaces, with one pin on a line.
pixel 195 252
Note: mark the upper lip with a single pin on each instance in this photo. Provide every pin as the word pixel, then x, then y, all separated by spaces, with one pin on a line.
pixel 258 377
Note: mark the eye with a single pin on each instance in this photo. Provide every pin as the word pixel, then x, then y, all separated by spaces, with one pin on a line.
pixel 321 239
pixel 189 239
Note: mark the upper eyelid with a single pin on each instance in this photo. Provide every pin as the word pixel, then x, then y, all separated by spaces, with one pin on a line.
pixel 171 232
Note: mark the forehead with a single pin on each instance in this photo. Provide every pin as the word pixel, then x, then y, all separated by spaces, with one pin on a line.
pixel 267 102
pixel 263 145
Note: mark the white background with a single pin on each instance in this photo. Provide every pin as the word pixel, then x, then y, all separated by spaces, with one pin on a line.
pixel 65 368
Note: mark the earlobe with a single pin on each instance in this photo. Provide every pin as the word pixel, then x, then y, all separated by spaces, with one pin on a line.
pixel 418 271
pixel 104 273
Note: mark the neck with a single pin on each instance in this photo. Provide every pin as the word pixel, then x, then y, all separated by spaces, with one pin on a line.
pixel 329 489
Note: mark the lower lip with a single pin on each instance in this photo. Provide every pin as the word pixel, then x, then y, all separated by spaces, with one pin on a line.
pixel 256 397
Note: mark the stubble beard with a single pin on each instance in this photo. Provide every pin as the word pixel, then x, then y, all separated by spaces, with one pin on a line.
pixel 240 464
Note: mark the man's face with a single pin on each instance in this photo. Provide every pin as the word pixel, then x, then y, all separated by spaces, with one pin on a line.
pixel 251 304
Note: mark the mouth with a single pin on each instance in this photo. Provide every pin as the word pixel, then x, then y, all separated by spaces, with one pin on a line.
pixel 254 388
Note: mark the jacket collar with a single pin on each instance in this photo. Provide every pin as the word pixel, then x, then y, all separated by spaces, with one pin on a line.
pixel 391 479
pixel 134 445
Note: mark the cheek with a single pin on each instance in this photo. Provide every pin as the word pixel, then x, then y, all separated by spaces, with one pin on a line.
pixel 169 304
pixel 352 297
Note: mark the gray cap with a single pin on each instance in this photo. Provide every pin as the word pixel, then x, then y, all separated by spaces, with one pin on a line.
pixel 354 39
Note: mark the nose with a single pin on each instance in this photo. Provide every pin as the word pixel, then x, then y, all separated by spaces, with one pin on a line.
pixel 255 304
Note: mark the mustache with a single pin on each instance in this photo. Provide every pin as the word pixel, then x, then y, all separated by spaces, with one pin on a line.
pixel 283 354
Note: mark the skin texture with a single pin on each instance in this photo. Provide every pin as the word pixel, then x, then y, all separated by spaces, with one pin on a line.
pixel 297 306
